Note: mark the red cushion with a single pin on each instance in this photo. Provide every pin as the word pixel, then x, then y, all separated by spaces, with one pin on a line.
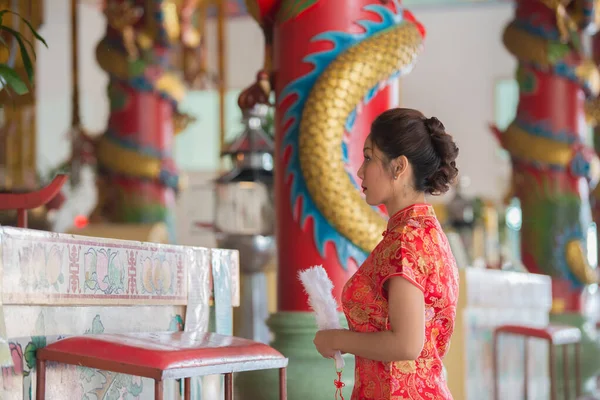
pixel 158 351
pixel 557 334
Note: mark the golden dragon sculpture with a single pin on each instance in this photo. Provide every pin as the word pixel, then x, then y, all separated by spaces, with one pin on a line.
pixel 322 103
pixel 342 86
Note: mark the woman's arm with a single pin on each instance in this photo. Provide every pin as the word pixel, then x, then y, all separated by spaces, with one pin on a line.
pixel 402 343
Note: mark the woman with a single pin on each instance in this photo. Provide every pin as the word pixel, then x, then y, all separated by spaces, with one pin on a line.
pixel 401 303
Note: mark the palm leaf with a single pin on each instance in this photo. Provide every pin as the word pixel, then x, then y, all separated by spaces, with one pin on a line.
pixel 28 42
pixel 31 28
pixel 24 53
pixel 13 80
pixel 10 79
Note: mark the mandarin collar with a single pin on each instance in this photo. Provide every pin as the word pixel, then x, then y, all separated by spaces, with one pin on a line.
pixel 412 211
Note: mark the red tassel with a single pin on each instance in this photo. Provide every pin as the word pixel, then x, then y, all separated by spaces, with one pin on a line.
pixel 338 386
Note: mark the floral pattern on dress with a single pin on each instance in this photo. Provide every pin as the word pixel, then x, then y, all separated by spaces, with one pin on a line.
pixel 414 247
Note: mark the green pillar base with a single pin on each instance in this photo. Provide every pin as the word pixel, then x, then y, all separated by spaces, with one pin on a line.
pixel 309 375
pixel 590 352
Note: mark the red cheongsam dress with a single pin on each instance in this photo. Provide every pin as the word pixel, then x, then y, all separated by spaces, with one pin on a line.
pixel 415 248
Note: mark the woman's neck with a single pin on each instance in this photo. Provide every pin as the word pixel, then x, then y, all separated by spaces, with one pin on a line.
pixel 401 202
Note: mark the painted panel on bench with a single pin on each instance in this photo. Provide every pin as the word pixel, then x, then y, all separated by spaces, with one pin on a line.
pixel 48 268
pixel 18 382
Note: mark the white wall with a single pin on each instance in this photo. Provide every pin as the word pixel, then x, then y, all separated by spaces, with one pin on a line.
pixel 454 80
pixel 53 79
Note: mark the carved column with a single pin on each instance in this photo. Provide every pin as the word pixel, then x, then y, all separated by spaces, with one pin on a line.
pixel 335 65
pixel 138 178
pixel 553 164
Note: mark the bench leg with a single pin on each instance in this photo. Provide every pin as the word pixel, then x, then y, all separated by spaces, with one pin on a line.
pixel 566 370
pixel 495 366
pixel 40 379
pixel 526 369
pixel 158 390
pixel 577 371
pixel 187 389
pixel 229 386
pixel 551 372
pixel 282 384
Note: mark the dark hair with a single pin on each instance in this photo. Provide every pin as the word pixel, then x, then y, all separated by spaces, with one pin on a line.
pixel 423 141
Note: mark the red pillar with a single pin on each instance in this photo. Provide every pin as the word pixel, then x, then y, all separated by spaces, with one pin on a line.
pixel 334 67
pixel 552 165
pixel 138 177
pixel 321 217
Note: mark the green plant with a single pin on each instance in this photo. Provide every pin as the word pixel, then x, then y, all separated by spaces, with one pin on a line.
pixel 9 78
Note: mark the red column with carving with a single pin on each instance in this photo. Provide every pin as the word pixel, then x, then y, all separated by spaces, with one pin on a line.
pixel 334 66
pixel 138 177
pixel 309 45
pixel 553 166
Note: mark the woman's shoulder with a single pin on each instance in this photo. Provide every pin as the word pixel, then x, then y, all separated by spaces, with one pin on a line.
pixel 414 229
pixel 419 239
pixel 404 241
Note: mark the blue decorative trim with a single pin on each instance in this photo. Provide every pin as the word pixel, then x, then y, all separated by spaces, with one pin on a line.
pixel 351 120
pixel 323 231
pixel 562 70
pixel 580 166
pixel 131 145
pixel 566 71
pixel 538 165
pixel 345 157
pixel 542 129
pixel 545 32
pixel 561 265
pixel 167 176
pixel 141 84
pixel 169 179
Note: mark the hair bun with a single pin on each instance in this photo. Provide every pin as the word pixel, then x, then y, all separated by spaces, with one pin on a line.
pixel 439 182
pixel 435 126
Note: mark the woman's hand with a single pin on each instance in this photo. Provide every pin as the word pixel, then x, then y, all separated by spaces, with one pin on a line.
pixel 325 342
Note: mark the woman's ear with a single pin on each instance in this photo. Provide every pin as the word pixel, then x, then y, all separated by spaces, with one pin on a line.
pixel 399 166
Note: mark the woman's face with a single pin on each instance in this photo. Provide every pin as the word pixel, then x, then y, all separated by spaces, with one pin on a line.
pixel 376 177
